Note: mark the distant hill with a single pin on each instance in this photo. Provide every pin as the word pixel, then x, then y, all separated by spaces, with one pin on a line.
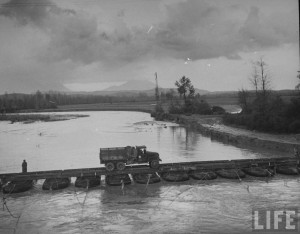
pixel 135 88
pixel 149 92
pixel 132 85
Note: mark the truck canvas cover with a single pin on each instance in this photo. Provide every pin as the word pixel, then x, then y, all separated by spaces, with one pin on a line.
pixel 116 153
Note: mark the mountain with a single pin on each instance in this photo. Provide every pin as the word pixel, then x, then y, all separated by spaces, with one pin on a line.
pixel 132 85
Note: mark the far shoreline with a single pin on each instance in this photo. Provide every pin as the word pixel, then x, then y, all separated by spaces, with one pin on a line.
pixel 32 117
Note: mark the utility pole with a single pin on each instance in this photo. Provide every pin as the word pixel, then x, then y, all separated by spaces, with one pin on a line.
pixel 156 90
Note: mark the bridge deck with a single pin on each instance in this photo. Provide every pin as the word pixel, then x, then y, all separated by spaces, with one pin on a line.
pixel 165 167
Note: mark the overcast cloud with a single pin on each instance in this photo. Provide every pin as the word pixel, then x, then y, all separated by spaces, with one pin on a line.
pixel 45 44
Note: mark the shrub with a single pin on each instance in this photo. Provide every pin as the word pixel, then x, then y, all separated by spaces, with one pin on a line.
pixel 292 109
pixel 218 110
pixel 159 109
pixel 175 109
pixel 202 107
pixel 294 127
pixel 269 115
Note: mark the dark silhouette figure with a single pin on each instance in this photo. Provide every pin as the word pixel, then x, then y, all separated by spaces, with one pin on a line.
pixel 24 166
pixel 296 152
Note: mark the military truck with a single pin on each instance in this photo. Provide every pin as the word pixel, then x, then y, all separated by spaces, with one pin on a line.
pixel 119 157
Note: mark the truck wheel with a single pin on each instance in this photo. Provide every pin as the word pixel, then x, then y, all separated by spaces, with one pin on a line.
pixel 110 166
pixel 154 164
pixel 121 166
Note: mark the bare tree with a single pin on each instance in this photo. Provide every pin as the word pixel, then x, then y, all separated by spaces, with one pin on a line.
pixel 261 79
pixel 264 78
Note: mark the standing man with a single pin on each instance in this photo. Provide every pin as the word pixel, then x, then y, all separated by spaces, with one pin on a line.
pixel 24 166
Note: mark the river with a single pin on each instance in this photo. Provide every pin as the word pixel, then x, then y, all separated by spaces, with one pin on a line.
pixel 187 207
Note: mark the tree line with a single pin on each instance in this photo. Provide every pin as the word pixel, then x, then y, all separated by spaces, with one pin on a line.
pixel 263 110
pixel 15 102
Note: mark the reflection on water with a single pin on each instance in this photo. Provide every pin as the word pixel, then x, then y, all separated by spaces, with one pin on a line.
pixel 185 207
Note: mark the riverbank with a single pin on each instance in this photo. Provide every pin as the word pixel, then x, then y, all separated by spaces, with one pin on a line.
pixel 30 118
pixel 212 126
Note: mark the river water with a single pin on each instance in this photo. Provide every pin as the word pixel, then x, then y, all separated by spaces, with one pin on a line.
pixel 221 206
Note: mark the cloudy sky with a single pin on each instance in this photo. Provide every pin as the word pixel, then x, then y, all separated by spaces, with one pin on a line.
pixel 92 44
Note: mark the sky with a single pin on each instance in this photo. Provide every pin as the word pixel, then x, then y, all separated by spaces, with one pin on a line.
pixel 93 44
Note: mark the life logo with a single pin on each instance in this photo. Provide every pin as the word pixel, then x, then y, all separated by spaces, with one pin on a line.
pixel 276 220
